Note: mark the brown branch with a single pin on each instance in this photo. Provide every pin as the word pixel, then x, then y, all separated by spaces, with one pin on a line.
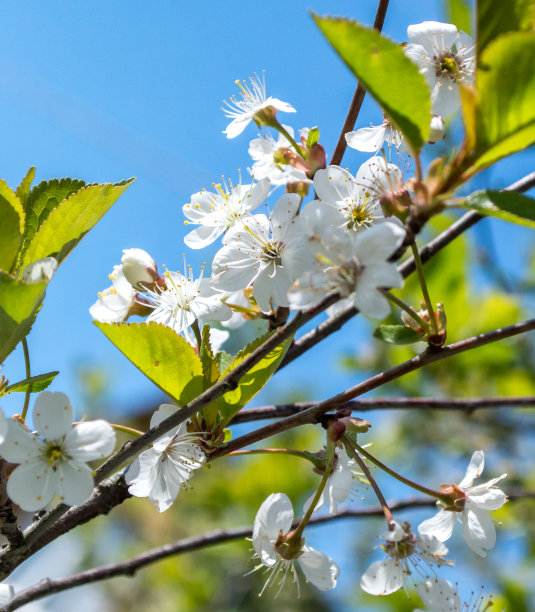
pixel 219 536
pixel 358 96
pixel 333 324
pixel 430 355
pixel 388 403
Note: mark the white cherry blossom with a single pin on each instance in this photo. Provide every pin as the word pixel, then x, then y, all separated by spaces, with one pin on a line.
pixel 273 520
pixel 114 303
pixel 345 201
pixel 263 152
pixel 161 471
pixel 54 460
pixel 252 100
pixel 478 528
pixel 446 58
pixel 380 180
pixel 268 254
pixel 216 212
pixel 406 554
pixel 339 484
pixel 185 300
pixel 354 265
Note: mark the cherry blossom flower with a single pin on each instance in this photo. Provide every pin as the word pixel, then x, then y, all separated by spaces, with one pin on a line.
pixel 345 201
pixel 354 265
pixel 252 101
pixel 263 151
pixel 161 471
pixel 371 139
pixel 440 595
pixel 406 553
pixel 184 301
pixel 472 507
pixel 274 520
pixel 54 460
pixel 446 58
pixel 338 485
pixel 139 268
pixel 216 212
pixel 267 254
pixel 381 181
pixel 115 303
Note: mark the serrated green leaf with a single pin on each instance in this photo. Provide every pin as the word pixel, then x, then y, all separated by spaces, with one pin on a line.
pixel 460 14
pixel 505 121
pixel 253 381
pixel 396 334
pixel 384 70
pixel 23 189
pixel 11 226
pixel 495 18
pixel 19 304
pixel 507 205
pixel 68 222
pixel 42 200
pixel 34 383
pixel 313 137
pixel 161 354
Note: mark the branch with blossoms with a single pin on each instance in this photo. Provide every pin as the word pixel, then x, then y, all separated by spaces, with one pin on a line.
pixel 129 567
pixel 333 253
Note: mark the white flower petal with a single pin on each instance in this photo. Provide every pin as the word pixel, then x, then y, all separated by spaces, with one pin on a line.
pixel 367 140
pixel 90 440
pixel 7 592
pixel 74 482
pixel 383 577
pixel 441 525
pixel 32 485
pixel 52 415
pixel 319 569
pixel 474 470
pixel 478 530
pixel 202 236
pixel 20 445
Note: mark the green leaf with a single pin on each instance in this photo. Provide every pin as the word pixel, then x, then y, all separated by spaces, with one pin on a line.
pixel 507 205
pixel 224 360
pixel 42 200
pixel 69 221
pixel 253 381
pixel 19 303
pixel 11 226
pixel 384 70
pixel 460 14
pixel 495 18
pixel 161 354
pixel 313 137
pixel 211 374
pixel 34 383
pixel 397 334
pixel 505 121
pixel 23 189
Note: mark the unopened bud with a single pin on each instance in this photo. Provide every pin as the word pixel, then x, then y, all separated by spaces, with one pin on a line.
pixel 436 129
pixel 316 159
pixel 39 271
pixel 139 269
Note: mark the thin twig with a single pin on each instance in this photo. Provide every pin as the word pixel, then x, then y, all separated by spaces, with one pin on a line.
pixel 389 403
pixel 358 96
pixel 430 355
pixel 220 536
